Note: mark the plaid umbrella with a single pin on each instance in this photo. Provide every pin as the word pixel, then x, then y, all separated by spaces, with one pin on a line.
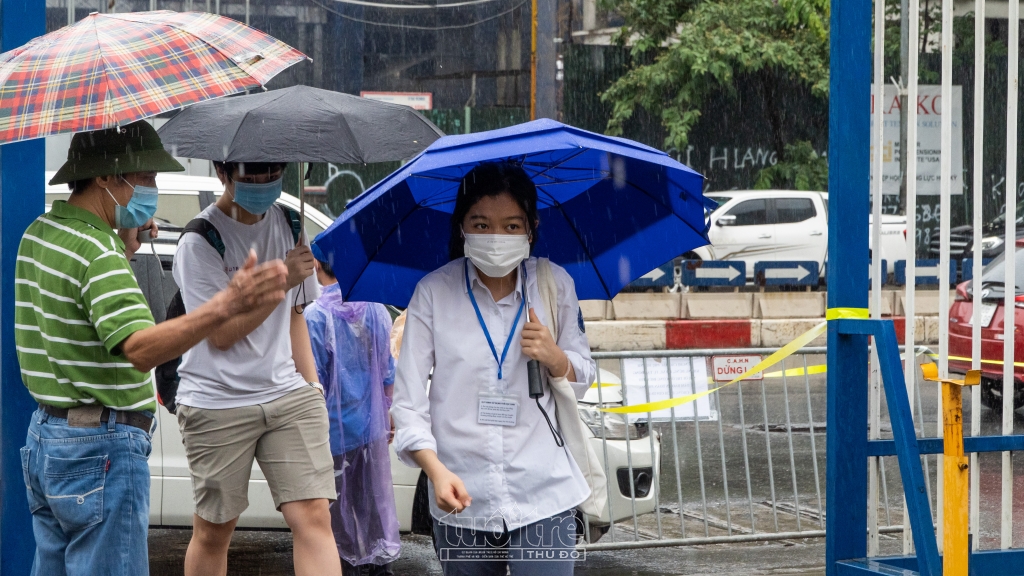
pixel 112 69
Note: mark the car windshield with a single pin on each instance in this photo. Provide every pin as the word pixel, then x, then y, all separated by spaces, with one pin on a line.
pixel 720 199
pixel 997 222
pixel 994 273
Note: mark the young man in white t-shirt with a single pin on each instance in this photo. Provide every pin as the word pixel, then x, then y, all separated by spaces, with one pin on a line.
pixel 249 389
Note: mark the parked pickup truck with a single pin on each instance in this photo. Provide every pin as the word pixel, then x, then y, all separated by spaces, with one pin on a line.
pixel 775 225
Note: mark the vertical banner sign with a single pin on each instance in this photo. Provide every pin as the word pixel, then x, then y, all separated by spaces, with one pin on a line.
pixel 929 138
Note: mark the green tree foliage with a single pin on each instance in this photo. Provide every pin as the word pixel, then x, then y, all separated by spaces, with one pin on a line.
pixel 801 168
pixel 701 47
pixel 927 45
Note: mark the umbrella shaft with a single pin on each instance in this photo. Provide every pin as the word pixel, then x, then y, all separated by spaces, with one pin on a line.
pixel 302 199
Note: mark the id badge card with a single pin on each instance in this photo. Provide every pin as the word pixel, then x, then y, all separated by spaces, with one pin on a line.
pixel 497 410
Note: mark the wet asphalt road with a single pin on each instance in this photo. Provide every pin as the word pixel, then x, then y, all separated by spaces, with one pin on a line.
pixel 750 502
pixel 269 554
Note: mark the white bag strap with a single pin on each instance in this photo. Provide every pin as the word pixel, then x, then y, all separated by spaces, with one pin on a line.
pixel 548 294
pixel 572 427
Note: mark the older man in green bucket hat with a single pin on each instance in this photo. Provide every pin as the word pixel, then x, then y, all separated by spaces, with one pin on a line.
pixel 87 343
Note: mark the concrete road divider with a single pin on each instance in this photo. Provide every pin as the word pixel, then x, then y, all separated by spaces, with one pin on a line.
pixel 622 335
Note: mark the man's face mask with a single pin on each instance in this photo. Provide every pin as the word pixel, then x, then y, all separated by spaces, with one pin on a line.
pixel 140 208
pixel 257 198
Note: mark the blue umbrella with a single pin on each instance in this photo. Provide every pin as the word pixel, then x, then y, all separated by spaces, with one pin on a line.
pixel 610 210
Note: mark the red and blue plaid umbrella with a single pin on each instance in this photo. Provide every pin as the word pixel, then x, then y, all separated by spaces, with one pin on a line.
pixel 112 69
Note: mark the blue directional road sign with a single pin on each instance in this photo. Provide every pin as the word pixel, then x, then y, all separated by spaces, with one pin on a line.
pixel 786 273
pixel 967 267
pixel 660 276
pixel 885 273
pixel 927 272
pixel 714 273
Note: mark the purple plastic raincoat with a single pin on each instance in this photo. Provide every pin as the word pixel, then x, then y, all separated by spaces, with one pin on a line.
pixel 351 344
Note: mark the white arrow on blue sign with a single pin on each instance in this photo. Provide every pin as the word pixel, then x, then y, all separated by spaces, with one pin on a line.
pixel 714 273
pixel 660 276
pixel 927 272
pixel 787 273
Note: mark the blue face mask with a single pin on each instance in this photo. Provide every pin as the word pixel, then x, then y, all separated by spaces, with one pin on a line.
pixel 257 198
pixel 140 208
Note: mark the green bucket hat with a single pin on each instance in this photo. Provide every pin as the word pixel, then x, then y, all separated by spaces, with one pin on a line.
pixel 134 148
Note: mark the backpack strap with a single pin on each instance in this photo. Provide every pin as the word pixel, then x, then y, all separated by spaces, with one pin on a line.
pixel 294 221
pixel 208 231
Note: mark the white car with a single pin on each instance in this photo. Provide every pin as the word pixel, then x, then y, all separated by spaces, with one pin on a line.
pixel 171 504
pixel 776 225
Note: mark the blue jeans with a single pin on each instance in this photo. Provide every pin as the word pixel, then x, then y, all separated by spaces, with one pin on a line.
pixel 88 491
pixel 544 548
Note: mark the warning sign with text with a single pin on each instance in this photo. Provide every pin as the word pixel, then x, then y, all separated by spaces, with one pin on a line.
pixel 725 368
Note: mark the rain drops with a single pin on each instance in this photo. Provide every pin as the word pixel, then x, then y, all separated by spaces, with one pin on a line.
pixel 618 173
pixel 625 275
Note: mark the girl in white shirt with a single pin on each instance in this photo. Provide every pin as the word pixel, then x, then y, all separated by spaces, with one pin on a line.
pixel 502 486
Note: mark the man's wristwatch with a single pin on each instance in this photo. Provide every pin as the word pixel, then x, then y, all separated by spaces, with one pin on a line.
pixel 319 387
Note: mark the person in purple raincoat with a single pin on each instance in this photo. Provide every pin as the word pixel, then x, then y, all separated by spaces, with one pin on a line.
pixel 351 345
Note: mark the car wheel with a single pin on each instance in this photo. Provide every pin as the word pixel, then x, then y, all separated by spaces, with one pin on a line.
pixel 988 398
pixel 992 398
pixel 422 523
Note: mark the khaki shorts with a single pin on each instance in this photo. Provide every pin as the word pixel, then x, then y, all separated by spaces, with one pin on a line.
pixel 289 437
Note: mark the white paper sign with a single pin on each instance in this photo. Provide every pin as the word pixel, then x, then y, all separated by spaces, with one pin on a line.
pixel 634 391
pixel 929 140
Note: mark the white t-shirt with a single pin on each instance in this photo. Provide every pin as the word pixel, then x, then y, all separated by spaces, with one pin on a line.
pixel 258 368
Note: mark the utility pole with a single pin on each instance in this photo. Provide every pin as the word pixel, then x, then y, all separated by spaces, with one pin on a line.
pixel 543 59
pixel 533 60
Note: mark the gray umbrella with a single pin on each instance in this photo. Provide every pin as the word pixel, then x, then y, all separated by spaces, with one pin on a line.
pixel 298 124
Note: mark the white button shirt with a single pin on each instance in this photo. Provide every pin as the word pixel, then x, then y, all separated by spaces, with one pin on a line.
pixel 516 475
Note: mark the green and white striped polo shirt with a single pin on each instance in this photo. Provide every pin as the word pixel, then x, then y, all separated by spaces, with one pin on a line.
pixel 76 300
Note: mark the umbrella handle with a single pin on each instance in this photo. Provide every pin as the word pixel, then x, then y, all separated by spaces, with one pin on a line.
pixel 532 366
pixel 533 372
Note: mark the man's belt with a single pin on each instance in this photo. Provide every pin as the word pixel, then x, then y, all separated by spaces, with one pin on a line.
pixel 96 416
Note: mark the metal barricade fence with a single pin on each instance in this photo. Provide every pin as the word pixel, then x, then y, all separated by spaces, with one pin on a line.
pixel 745 463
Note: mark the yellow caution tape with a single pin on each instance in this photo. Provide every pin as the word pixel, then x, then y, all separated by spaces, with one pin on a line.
pixel 962 359
pixel 811 370
pixel 787 350
pixel 782 353
pixel 921 350
pixel 847 314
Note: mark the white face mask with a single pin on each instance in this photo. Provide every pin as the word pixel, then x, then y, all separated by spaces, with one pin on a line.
pixel 497 255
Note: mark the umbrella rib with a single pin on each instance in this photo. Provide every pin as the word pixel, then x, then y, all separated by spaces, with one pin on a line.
pixel 562 161
pixel 590 257
pixel 669 208
pixel 376 251
pixel 106 79
pixel 348 129
pixel 245 116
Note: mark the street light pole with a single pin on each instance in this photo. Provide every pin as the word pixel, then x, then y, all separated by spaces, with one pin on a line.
pixel 533 60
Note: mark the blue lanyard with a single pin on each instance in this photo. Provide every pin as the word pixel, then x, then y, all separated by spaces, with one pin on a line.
pixel 487 334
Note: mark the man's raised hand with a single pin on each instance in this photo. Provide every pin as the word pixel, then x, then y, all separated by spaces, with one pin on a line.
pixel 256 285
